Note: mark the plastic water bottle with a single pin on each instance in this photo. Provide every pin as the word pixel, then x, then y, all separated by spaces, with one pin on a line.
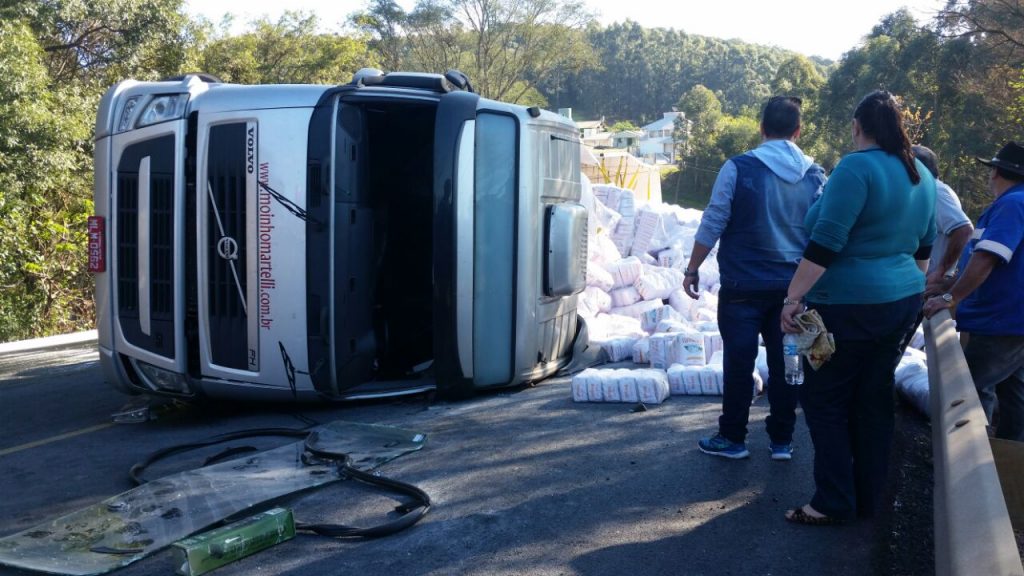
pixel 791 357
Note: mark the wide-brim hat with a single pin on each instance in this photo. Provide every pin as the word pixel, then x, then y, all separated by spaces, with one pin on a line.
pixel 1009 158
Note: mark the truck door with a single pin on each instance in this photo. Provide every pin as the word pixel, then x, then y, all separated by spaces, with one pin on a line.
pixel 476 197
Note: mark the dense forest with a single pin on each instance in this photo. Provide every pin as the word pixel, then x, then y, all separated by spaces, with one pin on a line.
pixel 960 77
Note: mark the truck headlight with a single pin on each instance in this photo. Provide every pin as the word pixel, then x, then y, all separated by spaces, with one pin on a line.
pixel 160 379
pixel 141 110
pixel 163 108
pixel 128 113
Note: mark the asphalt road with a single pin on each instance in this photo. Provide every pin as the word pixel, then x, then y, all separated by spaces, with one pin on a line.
pixel 523 482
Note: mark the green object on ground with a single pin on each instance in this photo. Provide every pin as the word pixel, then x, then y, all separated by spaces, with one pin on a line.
pixel 209 550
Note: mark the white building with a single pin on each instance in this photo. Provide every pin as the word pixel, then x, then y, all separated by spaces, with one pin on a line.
pixel 594 133
pixel 658 145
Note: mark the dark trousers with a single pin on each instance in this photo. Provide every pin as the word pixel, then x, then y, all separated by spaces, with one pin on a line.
pixel 848 404
pixel 742 316
pixel 997 368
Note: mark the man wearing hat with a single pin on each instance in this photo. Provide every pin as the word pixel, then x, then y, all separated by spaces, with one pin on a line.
pixel 988 296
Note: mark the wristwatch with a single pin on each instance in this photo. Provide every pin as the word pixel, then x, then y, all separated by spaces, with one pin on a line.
pixel 787 301
pixel 688 272
pixel 947 298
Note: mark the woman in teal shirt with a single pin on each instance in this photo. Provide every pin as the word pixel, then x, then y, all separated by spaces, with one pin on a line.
pixel 864 272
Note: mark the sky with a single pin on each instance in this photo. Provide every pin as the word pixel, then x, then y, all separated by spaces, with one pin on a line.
pixel 810 27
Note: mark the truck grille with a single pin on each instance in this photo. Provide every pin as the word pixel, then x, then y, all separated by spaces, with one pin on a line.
pixel 160 259
pixel 225 194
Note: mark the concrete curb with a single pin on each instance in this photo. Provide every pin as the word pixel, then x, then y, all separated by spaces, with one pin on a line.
pixel 48 342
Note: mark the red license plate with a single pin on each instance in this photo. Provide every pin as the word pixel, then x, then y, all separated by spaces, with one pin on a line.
pixel 97 244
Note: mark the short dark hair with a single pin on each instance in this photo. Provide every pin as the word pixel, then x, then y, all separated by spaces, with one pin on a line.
pixel 780 117
pixel 927 157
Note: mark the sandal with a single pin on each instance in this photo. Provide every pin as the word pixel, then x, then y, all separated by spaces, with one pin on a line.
pixel 799 516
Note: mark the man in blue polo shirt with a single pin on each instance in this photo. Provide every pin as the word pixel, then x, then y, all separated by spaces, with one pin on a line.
pixel 988 296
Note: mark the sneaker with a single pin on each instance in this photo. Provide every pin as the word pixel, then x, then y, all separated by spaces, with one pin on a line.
pixel 719 445
pixel 782 451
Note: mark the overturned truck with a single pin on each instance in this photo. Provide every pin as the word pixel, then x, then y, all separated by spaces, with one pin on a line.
pixel 391 235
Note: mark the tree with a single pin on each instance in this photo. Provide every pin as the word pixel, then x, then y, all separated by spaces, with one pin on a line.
pixel 737 134
pixel 504 46
pixel 699 157
pixel 797 76
pixel 980 92
pixel 57 57
pixel 641 71
pixel 704 111
pixel 384 22
pixel 622 126
pixel 434 39
pixel 998 24
pixel 45 195
pixel 101 42
pixel 287 51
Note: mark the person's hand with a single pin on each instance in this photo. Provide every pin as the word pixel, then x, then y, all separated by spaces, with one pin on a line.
pixel 936 303
pixel 788 318
pixel 936 283
pixel 690 284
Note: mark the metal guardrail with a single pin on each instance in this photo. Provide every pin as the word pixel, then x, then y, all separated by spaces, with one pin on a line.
pixel 973 534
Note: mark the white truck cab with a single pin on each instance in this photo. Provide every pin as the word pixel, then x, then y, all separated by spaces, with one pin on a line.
pixel 392 235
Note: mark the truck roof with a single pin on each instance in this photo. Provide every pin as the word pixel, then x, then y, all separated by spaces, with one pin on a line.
pixel 227 97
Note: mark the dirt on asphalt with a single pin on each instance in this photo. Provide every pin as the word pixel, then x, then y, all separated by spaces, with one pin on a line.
pixel 905 536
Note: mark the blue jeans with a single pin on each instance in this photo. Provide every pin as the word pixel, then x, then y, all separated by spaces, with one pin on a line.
pixel 742 316
pixel 997 368
pixel 848 404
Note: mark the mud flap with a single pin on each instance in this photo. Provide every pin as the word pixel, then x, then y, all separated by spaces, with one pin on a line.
pixel 584 355
pixel 141 521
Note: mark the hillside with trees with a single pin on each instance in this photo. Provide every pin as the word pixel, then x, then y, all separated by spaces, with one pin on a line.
pixel 960 76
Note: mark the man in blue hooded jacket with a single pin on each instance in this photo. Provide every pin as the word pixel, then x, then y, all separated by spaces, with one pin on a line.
pixel 756 212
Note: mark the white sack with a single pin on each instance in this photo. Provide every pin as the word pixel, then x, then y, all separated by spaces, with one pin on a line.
pixel 621 297
pixel 682 303
pixel 650 319
pixel 712 344
pixel 658 282
pixel 598 299
pixel 601 251
pixel 676 385
pixel 598 277
pixel 625 272
pixel 649 232
pixel 651 385
pixel 711 380
pixel 636 310
pixel 669 325
pixel 642 351
pixel 619 349
pixel 672 258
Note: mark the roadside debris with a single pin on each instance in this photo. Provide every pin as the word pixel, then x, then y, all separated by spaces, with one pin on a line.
pixel 135 524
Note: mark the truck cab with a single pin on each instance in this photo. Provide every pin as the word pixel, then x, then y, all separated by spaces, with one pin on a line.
pixel 392 235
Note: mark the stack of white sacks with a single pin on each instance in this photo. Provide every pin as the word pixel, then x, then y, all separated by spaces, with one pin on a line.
pixel 635 306
pixel 636 309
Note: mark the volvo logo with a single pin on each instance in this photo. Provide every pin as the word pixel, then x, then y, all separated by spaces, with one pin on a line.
pixel 227 248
